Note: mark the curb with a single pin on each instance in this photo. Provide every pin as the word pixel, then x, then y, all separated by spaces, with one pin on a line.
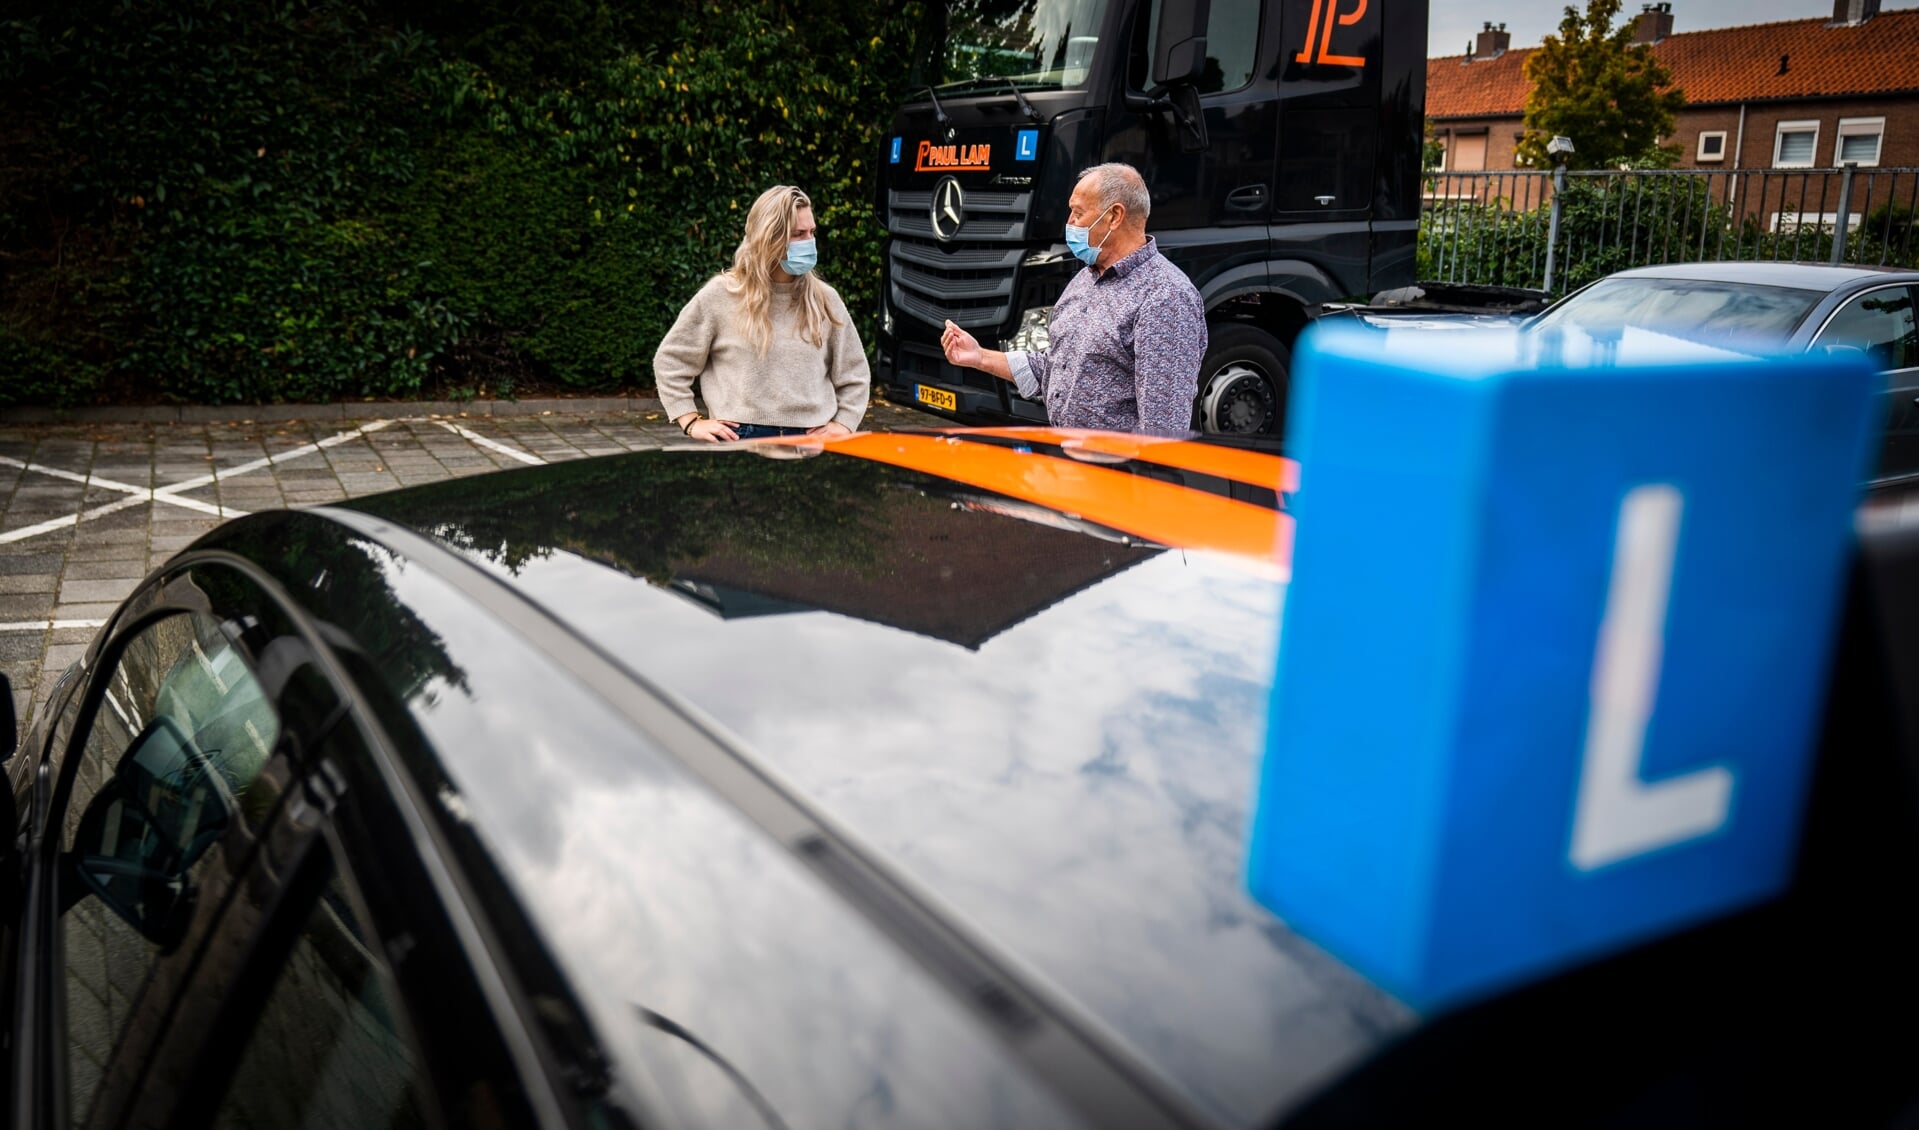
pixel 344 410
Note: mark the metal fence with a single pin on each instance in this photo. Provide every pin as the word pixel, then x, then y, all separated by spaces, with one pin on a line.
pixel 1555 231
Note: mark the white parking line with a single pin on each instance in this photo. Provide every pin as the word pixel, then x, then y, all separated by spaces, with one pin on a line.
pixel 90 480
pixel 141 494
pixel 492 445
pixel 271 460
pixel 169 494
pixel 43 625
pixel 61 523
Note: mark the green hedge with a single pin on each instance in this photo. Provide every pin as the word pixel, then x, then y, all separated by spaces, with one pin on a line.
pixel 221 201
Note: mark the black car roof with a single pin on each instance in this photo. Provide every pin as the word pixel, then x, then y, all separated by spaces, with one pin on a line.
pixel 667 707
pixel 1048 725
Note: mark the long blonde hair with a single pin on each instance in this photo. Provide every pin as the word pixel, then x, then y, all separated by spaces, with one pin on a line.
pixel 769 227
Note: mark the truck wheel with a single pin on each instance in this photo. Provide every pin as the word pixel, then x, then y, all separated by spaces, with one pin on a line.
pixel 1242 382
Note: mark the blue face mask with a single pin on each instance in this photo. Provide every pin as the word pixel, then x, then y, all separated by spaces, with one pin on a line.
pixel 1077 242
pixel 802 255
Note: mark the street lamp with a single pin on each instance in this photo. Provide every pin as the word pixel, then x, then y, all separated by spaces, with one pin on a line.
pixel 1559 148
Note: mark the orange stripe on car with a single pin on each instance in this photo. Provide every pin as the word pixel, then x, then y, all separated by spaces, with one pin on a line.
pixel 1148 508
pixel 1250 467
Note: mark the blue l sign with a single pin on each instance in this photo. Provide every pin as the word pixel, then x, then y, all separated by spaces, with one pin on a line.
pixel 895 159
pixel 1555 644
pixel 1618 815
pixel 1026 147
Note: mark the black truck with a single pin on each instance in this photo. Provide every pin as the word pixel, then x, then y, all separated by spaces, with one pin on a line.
pixel 1280 139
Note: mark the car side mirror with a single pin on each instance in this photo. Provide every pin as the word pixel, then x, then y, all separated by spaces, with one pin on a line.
pixel 9 722
pixel 1179 51
pixel 144 830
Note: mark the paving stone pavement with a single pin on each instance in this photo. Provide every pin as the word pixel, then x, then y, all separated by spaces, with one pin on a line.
pixel 87 510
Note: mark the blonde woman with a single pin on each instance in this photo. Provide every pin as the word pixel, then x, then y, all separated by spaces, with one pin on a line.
pixel 769 342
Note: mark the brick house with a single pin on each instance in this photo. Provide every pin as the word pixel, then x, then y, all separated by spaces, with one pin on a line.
pixel 1792 95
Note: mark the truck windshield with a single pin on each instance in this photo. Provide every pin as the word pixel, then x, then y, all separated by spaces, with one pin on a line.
pixel 1039 44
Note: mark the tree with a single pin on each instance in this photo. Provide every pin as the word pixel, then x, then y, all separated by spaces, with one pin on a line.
pixel 1593 84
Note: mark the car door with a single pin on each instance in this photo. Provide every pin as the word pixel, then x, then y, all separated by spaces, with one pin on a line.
pixel 237 918
pixel 355 1004
pixel 294 1018
pixel 177 755
pixel 1882 323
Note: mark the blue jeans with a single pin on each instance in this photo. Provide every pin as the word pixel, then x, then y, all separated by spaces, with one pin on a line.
pixel 761 431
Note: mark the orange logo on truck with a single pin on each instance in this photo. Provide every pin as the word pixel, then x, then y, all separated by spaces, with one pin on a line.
pixel 1325 14
pixel 934 157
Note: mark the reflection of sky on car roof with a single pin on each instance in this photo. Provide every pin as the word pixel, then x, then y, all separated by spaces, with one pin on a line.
pixel 655 894
pixel 1078 786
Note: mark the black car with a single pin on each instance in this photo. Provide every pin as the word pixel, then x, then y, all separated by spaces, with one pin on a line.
pixel 887 781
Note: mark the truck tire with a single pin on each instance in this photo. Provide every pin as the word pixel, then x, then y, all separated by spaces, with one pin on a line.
pixel 1243 382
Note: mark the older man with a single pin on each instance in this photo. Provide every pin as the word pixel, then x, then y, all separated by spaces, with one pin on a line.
pixel 1127 333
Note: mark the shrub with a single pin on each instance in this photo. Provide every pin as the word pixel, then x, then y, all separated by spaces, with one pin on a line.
pixel 666 150
pixel 251 200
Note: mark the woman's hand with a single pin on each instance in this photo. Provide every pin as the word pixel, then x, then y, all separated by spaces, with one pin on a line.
pixel 961 347
pixel 830 429
pixel 712 431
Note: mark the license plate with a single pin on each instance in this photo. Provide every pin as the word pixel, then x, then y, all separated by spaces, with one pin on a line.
pixel 938 398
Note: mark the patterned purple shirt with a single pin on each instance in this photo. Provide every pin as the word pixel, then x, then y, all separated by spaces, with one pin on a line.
pixel 1124 351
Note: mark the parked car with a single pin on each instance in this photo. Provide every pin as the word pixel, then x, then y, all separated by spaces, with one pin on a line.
pixel 1750 307
pixel 893 780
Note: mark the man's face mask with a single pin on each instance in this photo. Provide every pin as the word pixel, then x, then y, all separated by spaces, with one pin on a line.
pixel 1077 242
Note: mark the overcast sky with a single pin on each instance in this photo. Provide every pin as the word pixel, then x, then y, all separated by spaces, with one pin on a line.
pixel 1454 22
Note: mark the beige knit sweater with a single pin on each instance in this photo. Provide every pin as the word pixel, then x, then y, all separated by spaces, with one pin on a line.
pixel 795 385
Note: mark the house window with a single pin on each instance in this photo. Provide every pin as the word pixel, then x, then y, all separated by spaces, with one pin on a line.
pixel 1795 145
pixel 1469 153
pixel 1859 141
pixel 1712 145
pixel 1787 223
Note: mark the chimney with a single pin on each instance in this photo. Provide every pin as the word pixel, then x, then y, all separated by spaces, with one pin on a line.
pixel 1852 13
pixel 1654 22
pixel 1492 43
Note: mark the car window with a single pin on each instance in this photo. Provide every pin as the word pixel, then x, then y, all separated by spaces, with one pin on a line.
pixel 163 787
pixel 327 1049
pixel 1715 312
pixel 1880 323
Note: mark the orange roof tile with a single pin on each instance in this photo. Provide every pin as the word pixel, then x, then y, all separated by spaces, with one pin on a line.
pixel 1728 64
pixel 1480 89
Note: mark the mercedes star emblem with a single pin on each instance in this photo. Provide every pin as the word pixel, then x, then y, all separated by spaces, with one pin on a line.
pixel 949 208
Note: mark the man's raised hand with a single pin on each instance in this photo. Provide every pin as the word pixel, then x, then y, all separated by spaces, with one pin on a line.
pixel 960 347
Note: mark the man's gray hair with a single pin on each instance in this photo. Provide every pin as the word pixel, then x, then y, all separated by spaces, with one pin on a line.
pixel 1119 183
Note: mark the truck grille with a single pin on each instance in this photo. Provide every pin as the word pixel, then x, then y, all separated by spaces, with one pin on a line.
pixel 970 280
pixel 917 363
